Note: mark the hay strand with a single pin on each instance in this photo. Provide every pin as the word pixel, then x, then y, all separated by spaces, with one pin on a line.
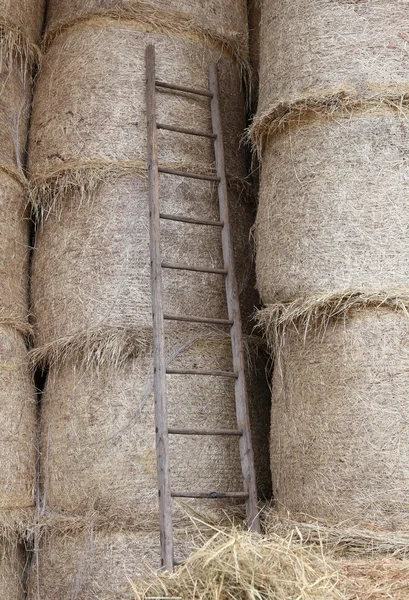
pixel 17 50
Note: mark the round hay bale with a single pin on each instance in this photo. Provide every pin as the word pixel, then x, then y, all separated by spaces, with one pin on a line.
pixel 345 52
pixel 333 207
pixel 94 564
pixel 12 564
pixel 339 427
pixel 91 268
pixel 18 418
pixel 89 116
pixel 14 242
pixel 101 456
pixel 223 19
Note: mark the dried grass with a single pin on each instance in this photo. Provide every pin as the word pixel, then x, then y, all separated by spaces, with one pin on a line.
pixel 310 316
pixel 14 242
pixel 339 440
pixel 100 347
pixel 151 18
pixel 350 54
pixel 109 466
pixel 332 212
pixel 97 107
pixel 18 418
pixel 87 289
pixel 286 562
pixel 323 109
pixel 17 50
pixel 240 565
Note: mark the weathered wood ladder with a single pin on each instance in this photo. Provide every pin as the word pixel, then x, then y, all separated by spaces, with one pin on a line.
pixel 159 317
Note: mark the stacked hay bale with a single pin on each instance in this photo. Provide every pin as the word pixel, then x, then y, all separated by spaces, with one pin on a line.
pixel 91 278
pixel 20 28
pixel 332 262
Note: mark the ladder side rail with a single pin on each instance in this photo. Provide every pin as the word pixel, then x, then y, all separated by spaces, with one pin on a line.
pixel 162 441
pixel 232 295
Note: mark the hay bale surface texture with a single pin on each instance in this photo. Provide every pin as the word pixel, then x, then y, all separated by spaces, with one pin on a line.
pixel 100 122
pixel 217 18
pixel 12 559
pixel 20 28
pixel 339 440
pixel 89 564
pixel 349 51
pixel 333 206
pixel 18 418
pixel 14 241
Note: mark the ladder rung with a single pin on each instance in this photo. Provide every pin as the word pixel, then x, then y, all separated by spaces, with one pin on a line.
pixel 189 319
pixel 212 136
pixel 180 267
pixel 201 372
pixel 212 495
pixel 189 220
pixel 181 88
pixel 187 174
pixel 229 432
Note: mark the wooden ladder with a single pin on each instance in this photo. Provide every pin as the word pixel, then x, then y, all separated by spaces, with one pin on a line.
pixel 233 321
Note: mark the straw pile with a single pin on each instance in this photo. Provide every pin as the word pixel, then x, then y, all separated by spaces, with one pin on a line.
pixel 217 21
pixel 284 563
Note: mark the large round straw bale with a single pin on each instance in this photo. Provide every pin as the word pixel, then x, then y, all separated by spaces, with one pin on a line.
pixel 339 426
pixel 14 241
pixel 348 51
pixel 18 419
pixel 333 207
pixel 92 266
pixel 101 456
pixel 225 18
pixel 94 564
pixel 12 561
pixel 93 112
